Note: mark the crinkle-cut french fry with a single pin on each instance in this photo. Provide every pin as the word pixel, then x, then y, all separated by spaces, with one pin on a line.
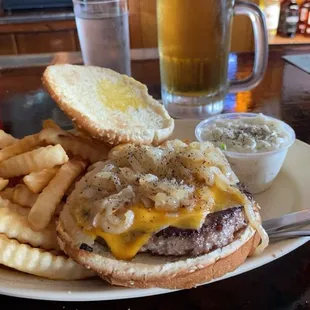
pixel 23 196
pixel 7 193
pixel 47 202
pixel 6 203
pixel 72 186
pixel 80 133
pixel 77 146
pixel 24 145
pixel 6 139
pixel 39 262
pixel 14 224
pixel 36 181
pixel 49 123
pixel 35 160
pixel 3 183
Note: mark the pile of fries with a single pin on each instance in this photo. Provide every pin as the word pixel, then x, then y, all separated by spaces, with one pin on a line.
pixel 37 173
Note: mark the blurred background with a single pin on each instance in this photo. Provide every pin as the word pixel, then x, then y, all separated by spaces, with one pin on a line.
pixel 46 26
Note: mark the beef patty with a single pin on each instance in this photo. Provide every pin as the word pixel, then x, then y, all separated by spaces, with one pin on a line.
pixel 218 230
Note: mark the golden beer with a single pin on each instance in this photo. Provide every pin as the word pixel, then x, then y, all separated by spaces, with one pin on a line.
pixel 194 42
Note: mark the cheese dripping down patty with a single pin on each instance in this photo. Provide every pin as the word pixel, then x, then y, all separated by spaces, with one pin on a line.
pixel 141 190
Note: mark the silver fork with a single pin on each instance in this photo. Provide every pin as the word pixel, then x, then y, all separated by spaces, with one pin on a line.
pixel 290 225
pixel 289 234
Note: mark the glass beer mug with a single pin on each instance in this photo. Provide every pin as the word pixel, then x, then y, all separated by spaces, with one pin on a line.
pixel 194 41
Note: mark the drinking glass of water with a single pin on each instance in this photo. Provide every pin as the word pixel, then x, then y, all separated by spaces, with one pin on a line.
pixel 103 32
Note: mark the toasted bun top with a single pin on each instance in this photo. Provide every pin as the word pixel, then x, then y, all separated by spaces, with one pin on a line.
pixel 107 105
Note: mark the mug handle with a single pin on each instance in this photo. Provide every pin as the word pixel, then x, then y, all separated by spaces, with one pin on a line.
pixel 260 43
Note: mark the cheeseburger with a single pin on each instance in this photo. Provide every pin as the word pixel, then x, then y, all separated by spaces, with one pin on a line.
pixel 171 216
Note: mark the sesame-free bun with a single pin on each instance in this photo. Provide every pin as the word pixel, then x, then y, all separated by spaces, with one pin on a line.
pixel 107 105
pixel 145 270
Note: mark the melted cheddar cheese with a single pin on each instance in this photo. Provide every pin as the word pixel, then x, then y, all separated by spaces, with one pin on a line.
pixel 148 221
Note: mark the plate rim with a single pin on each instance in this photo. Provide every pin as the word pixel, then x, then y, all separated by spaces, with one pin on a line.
pixel 28 293
pixel 129 293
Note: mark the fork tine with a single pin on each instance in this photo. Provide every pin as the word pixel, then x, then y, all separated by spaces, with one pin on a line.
pixel 290 234
pixel 287 220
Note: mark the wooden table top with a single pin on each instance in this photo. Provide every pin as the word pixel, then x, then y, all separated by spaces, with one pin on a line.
pixel 284 93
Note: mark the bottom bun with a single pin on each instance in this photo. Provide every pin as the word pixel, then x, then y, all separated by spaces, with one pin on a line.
pixel 146 271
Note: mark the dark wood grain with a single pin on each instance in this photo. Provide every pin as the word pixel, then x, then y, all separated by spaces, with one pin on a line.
pixel 284 93
pixel 44 42
pixel 44 26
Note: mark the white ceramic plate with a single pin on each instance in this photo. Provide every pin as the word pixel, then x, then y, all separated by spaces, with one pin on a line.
pixel 289 193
